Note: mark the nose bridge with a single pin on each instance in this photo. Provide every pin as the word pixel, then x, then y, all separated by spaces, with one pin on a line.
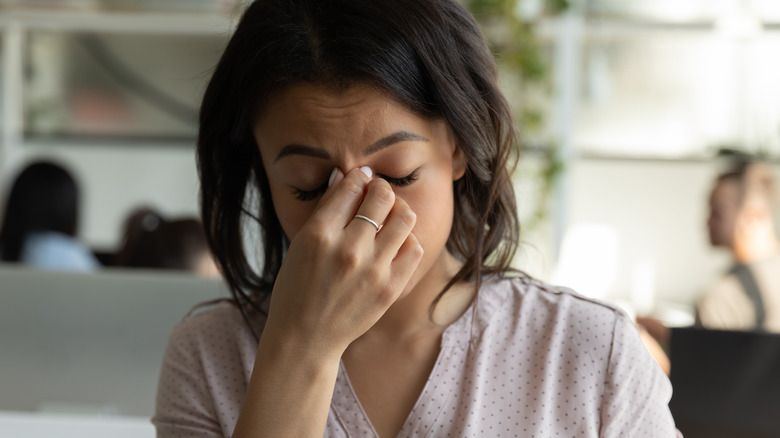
pixel 348 160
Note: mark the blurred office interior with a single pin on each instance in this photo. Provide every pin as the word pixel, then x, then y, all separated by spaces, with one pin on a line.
pixel 642 95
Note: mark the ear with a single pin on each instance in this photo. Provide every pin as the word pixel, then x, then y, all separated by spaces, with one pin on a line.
pixel 458 159
pixel 458 164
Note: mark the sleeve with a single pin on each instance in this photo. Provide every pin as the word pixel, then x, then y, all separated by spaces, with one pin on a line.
pixel 637 392
pixel 184 406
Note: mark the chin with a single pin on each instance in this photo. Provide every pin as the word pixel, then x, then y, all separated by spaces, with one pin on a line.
pixel 413 282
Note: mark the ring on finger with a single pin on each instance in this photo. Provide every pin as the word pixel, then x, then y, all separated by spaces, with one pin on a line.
pixel 367 219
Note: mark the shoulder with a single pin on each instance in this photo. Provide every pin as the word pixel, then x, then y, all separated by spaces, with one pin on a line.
pixel 725 286
pixel 205 369
pixel 211 323
pixel 767 269
pixel 533 316
pixel 57 251
pixel 529 316
pixel 51 239
pixel 724 292
pixel 525 297
pixel 724 305
pixel 212 338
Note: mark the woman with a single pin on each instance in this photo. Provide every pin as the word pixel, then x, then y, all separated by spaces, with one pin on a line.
pixel 370 142
pixel 41 220
pixel 152 241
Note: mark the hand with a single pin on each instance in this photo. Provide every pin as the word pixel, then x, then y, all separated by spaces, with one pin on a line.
pixel 340 274
pixel 656 329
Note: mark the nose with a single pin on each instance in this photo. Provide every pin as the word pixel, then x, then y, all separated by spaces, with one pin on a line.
pixel 365 169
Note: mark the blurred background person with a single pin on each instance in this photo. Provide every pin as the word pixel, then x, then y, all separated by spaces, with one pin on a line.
pixel 152 241
pixel 41 221
pixel 741 220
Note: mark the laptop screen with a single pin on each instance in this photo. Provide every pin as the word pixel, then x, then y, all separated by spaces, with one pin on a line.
pixel 726 383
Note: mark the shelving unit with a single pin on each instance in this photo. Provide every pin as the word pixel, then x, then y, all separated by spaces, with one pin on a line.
pixel 108 166
pixel 160 23
pixel 16 26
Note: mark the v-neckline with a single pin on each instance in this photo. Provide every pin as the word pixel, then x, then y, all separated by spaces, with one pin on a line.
pixel 353 418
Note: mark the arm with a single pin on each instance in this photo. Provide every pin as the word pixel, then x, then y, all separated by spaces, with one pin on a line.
pixel 338 278
pixel 637 393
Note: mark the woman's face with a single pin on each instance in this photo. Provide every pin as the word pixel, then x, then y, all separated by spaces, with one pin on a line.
pixel 306 131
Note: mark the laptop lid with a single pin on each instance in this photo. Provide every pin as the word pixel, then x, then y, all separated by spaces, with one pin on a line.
pixel 726 383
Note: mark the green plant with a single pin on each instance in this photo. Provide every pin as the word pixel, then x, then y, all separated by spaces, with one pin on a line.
pixel 525 71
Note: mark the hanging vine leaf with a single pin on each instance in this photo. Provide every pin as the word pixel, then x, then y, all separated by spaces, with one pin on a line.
pixel 526 70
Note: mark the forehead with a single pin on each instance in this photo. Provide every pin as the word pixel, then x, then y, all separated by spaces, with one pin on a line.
pixel 329 102
pixel 340 121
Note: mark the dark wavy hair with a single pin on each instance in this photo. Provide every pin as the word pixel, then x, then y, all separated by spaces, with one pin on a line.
pixel 428 55
pixel 43 197
pixel 155 242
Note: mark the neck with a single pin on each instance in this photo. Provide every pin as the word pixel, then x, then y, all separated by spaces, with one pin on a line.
pixel 411 316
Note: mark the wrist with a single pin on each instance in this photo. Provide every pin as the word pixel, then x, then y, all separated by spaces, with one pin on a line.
pixel 283 348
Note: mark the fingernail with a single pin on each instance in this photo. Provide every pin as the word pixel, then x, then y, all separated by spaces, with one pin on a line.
pixel 333 176
pixel 367 170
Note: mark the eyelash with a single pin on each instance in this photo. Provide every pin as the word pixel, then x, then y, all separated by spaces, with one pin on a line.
pixel 310 195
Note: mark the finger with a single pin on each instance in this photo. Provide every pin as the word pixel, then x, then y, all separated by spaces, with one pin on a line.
pixel 405 263
pixel 373 211
pixel 396 230
pixel 342 198
pixel 335 176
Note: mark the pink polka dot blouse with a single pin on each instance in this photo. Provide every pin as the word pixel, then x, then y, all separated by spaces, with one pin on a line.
pixel 525 360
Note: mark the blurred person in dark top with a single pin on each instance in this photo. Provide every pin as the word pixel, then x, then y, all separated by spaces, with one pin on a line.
pixel 154 242
pixel 741 220
pixel 41 221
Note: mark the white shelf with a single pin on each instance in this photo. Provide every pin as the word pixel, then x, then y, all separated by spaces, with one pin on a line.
pixel 183 23
pixel 107 143
pixel 108 167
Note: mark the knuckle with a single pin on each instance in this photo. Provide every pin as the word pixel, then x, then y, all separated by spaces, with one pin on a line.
pixel 349 258
pixel 353 186
pixel 407 217
pixel 415 245
pixel 323 240
pixel 386 296
pixel 317 234
pixel 382 191
pixel 418 251
pixel 375 276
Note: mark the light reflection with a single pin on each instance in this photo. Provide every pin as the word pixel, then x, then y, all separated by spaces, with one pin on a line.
pixel 589 260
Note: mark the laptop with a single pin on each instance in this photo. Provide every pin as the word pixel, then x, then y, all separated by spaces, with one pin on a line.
pixel 89 344
pixel 726 383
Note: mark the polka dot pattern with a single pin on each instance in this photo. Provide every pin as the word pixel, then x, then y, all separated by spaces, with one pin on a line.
pixel 525 360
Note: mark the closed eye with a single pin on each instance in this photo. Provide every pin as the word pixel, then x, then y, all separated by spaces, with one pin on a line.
pixel 402 182
pixel 310 195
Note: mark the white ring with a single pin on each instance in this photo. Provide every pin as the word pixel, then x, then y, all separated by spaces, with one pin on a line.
pixel 367 219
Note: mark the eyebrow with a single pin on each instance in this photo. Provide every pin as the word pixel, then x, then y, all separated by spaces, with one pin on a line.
pixel 397 137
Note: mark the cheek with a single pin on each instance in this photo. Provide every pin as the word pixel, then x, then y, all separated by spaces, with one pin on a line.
pixel 434 209
pixel 291 212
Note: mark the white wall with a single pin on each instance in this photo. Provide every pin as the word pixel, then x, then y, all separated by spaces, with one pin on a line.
pixel 656 212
